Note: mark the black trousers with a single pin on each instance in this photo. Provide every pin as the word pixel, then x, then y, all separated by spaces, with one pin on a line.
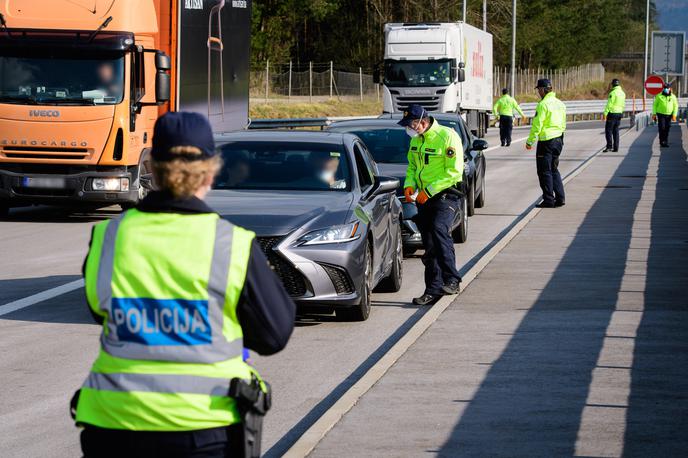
pixel 506 126
pixel 664 124
pixel 435 218
pixel 204 443
pixel 547 160
pixel 611 130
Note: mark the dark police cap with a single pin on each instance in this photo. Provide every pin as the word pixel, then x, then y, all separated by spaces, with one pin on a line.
pixel 543 82
pixel 616 82
pixel 413 112
pixel 182 129
pixel 667 85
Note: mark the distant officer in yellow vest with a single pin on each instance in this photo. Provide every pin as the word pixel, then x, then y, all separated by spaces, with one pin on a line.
pixel 548 127
pixel 504 110
pixel 613 112
pixel 180 292
pixel 665 110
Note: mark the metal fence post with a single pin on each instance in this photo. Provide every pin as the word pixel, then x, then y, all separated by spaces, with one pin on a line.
pixel 331 77
pixel 267 79
pixel 310 81
pixel 360 81
pixel 289 93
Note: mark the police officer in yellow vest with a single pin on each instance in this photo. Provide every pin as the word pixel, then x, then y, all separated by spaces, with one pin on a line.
pixel 548 129
pixel 613 112
pixel 504 110
pixel 665 110
pixel 180 292
pixel 434 171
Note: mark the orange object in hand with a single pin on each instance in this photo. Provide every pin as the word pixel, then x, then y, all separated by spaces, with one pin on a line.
pixel 673 118
pixel 529 147
pixel 422 197
pixel 408 193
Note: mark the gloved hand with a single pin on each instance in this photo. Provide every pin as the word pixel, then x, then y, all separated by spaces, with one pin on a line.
pixel 654 118
pixel 408 193
pixel 529 147
pixel 604 118
pixel 673 118
pixel 422 198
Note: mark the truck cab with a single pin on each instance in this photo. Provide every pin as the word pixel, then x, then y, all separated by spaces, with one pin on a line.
pixel 445 67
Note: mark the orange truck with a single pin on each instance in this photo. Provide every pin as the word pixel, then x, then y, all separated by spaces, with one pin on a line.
pixel 83 81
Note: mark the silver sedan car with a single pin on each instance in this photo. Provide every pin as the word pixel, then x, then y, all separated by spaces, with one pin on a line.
pixel 327 221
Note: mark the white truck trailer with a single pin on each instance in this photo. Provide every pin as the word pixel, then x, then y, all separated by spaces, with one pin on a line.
pixel 445 67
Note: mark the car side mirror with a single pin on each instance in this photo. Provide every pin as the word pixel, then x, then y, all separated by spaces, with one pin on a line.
pixel 479 144
pixel 384 185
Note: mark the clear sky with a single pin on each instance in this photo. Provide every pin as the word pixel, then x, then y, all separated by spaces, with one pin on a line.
pixel 673 15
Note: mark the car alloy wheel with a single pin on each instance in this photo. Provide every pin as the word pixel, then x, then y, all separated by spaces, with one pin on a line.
pixel 361 312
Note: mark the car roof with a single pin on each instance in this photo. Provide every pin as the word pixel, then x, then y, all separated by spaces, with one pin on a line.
pixel 367 122
pixel 445 116
pixel 301 136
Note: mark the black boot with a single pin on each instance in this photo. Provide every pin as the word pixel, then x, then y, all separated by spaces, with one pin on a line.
pixel 426 299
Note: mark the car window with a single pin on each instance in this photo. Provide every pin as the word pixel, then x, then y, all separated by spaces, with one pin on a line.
pixel 365 174
pixel 387 145
pixel 370 161
pixel 284 166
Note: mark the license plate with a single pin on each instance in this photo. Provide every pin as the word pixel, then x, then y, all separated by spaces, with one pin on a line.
pixel 52 183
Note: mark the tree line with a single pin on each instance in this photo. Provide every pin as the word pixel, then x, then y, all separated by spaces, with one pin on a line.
pixel 550 33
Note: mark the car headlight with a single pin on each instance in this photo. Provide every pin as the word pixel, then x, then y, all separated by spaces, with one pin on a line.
pixel 334 234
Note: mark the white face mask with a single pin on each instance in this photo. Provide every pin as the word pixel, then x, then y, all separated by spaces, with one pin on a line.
pixel 411 132
pixel 326 175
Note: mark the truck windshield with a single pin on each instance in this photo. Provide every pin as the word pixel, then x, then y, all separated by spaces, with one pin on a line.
pixel 61 80
pixel 417 73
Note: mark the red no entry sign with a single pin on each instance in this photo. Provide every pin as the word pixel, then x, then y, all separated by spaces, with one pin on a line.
pixel 654 84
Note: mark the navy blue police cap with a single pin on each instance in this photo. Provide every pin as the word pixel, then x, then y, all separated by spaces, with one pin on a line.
pixel 543 82
pixel 412 113
pixel 182 129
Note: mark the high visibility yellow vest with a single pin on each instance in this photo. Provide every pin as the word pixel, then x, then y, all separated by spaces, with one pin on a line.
pixel 549 121
pixel 505 106
pixel 665 104
pixel 167 286
pixel 616 102
pixel 435 160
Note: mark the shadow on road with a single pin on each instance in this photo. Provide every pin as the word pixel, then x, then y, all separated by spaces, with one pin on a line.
pixel 532 399
pixel 657 418
pixel 48 214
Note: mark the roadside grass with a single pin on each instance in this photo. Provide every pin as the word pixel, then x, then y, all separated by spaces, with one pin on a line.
pixel 275 110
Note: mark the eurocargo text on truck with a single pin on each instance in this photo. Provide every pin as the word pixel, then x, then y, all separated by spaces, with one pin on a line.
pixel 82 83
pixel 445 67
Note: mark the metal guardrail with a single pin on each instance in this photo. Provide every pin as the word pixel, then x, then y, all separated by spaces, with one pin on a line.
pixel 573 107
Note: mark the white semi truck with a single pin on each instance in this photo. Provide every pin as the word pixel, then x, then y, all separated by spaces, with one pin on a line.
pixel 445 67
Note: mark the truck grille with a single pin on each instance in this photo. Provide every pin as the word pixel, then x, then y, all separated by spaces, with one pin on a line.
pixel 429 102
pixel 293 280
pixel 340 279
pixel 38 152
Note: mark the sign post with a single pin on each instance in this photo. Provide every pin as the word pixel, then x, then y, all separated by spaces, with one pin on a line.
pixel 668 49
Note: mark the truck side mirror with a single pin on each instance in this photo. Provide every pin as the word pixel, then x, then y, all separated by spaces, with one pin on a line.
pixel 162 78
pixel 460 75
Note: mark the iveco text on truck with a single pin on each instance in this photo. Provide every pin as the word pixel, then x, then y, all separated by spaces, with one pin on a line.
pixel 445 67
pixel 83 81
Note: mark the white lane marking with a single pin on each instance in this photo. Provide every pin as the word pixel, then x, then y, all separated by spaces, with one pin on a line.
pixel 40 297
pixel 310 439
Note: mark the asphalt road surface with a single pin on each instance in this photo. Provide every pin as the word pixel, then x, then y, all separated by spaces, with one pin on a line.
pixel 46 349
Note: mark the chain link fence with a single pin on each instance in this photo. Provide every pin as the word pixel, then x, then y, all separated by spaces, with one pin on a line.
pixel 312 80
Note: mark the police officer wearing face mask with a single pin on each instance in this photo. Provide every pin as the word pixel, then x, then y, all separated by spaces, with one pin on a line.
pixel 434 171
pixel 180 292
pixel 664 111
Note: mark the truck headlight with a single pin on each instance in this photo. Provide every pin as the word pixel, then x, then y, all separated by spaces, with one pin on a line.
pixel 334 234
pixel 110 184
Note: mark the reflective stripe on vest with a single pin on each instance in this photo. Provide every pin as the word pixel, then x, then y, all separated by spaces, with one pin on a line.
pixel 183 314
pixel 158 383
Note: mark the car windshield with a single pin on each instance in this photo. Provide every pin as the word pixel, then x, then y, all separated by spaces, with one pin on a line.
pixel 417 73
pixel 284 166
pixel 387 145
pixel 61 80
